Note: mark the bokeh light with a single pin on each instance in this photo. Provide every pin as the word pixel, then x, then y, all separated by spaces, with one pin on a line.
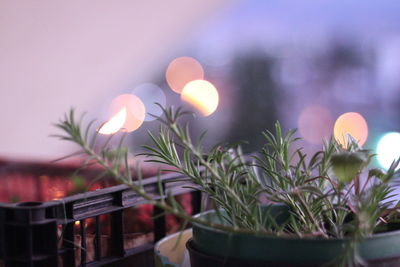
pixel 202 95
pixel 150 94
pixel 388 149
pixel 181 71
pixel 115 123
pixel 315 124
pixel 135 113
pixel 351 123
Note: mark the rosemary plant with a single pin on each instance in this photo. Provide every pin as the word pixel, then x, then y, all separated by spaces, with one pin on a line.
pixel 330 194
pixel 115 161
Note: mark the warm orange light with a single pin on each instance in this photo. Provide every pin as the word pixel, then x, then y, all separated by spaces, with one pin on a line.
pixel 127 114
pixel 351 123
pixel 202 95
pixel 115 123
pixel 58 194
pixel 77 223
pixel 181 71
pixel 315 124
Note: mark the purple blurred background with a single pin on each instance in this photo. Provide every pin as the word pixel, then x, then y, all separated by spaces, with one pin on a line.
pixel 302 63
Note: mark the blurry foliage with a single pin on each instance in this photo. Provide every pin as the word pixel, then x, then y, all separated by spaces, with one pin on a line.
pixel 79 185
pixel 255 99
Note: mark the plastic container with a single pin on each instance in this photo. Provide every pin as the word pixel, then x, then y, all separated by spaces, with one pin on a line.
pixel 171 250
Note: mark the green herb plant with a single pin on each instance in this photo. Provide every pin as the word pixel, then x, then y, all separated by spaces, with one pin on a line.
pixel 331 194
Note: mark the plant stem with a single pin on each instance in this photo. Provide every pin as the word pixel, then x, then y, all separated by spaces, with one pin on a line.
pixel 160 204
pixel 310 214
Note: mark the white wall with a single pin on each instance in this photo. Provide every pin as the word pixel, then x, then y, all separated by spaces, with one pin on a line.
pixel 57 54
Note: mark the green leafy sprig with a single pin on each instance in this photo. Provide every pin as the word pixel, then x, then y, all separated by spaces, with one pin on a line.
pixel 330 195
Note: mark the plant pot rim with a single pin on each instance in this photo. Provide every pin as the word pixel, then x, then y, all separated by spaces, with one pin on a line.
pixel 274 248
pixel 288 238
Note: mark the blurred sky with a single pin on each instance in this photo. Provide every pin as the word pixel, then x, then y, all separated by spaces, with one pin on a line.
pixel 54 55
pixel 59 54
pixel 277 20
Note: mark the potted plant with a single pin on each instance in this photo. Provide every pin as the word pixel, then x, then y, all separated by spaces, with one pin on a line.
pixel 275 208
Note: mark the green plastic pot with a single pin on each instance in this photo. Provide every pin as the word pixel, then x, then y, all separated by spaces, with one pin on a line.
pixel 170 251
pixel 382 247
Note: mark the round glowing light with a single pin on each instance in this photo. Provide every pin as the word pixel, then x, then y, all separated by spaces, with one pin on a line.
pixel 202 95
pixel 315 124
pixel 181 71
pixel 115 123
pixel 150 94
pixel 388 149
pixel 127 115
pixel 351 123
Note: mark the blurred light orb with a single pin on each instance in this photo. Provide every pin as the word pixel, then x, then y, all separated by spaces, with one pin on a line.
pixel 388 149
pixel 315 124
pixel 351 123
pixel 115 123
pixel 202 95
pixel 135 113
pixel 150 94
pixel 181 71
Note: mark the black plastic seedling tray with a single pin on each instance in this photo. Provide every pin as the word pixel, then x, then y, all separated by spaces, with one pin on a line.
pixel 43 233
